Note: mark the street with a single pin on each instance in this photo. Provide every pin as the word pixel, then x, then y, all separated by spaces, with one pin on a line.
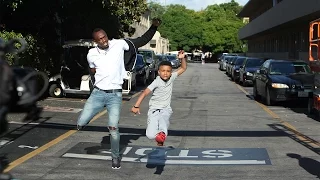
pixel 217 131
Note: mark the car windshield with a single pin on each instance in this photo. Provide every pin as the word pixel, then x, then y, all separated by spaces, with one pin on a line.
pixel 139 61
pixel 239 61
pixel 172 58
pixel 254 62
pixel 302 68
pixel 146 54
pixel 282 68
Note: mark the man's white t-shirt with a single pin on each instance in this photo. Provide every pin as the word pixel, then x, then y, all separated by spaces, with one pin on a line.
pixel 109 64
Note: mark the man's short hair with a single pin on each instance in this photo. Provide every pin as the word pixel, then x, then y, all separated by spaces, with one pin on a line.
pixel 95 31
pixel 165 63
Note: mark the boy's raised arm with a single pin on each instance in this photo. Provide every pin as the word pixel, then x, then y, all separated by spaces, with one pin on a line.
pixel 183 66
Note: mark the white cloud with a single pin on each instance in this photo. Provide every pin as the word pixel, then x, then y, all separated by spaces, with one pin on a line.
pixel 197 4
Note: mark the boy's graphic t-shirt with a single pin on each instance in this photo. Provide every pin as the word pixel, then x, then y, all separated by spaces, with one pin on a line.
pixel 162 92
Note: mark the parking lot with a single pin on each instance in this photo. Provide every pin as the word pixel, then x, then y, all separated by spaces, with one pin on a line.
pixel 217 131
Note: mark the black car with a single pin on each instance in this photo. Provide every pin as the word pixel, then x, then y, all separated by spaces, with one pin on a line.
pixel 247 69
pixel 142 70
pixel 281 80
pixel 174 60
pixel 236 67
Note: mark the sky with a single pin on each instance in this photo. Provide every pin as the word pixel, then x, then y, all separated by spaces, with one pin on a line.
pixel 197 4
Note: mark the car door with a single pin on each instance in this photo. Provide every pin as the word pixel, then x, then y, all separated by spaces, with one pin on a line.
pixel 242 69
pixel 258 76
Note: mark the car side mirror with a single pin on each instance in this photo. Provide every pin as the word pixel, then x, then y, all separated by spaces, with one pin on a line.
pixel 258 71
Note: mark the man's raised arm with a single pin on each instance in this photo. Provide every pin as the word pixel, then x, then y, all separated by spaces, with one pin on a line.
pixel 147 36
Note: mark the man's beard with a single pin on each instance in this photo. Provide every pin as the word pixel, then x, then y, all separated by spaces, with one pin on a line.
pixel 103 46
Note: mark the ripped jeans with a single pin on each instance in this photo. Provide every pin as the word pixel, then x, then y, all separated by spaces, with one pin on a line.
pixel 95 103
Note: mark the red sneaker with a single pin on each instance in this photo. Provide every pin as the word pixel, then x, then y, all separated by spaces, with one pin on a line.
pixel 160 138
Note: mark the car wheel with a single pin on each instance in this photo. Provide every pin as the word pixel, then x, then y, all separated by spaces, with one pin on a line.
pixel 311 109
pixel 134 85
pixel 244 84
pixel 144 82
pixel 268 98
pixel 55 91
pixel 256 96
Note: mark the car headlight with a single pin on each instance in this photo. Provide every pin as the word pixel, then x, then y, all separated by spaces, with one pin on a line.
pixel 172 63
pixel 237 70
pixel 249 74
pixel 279 85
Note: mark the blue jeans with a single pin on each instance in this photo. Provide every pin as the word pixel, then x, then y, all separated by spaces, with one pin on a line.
pixel 95 103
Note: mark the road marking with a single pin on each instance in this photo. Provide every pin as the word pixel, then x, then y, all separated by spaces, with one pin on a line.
pixel 23 123
pixel 170 161
pixel 61 109
pixel 30 155
pixel 66 100
pixel 313 143
pixel 30 147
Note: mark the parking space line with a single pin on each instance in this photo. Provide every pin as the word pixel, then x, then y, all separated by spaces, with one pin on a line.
pixel 55 141
pixel 313 143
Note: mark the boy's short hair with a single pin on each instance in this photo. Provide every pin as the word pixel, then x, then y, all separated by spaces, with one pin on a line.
pixel 165 63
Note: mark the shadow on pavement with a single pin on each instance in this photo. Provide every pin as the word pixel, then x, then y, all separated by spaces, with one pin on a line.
pixel 310 165
pixel 141 131
pixel 296 136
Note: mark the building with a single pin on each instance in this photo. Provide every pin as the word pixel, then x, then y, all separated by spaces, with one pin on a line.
pixel 278 28
pixel 159 44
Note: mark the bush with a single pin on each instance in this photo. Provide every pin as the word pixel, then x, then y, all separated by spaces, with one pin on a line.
pixel 31 57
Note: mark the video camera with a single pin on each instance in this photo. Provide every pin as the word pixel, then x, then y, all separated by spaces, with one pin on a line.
pixel 20 87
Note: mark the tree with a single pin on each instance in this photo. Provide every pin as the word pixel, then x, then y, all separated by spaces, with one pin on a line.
pixel 156 9
pixel 214 29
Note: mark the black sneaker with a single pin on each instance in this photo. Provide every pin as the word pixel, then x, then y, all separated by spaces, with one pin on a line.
pixel 116 163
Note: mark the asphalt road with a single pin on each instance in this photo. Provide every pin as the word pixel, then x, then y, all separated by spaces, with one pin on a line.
pixel 217 131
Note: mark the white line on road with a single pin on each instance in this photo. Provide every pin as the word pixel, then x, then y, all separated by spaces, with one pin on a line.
pixel 169 162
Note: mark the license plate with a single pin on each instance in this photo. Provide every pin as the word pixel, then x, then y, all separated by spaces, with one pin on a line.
pixel 303 94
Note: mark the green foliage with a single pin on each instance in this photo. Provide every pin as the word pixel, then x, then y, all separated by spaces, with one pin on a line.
pixel 47 24
pixel 31 56
pixel 215 29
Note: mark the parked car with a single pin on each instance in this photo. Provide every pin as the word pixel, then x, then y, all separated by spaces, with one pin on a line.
pixel 142 70
pixel 236 67
pixel 230 63
pixel 224 61
pixel 247 69
pixel 175 62
pixel 151 60
pixel 282 80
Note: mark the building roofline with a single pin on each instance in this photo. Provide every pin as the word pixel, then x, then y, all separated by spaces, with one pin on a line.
pixel 248 8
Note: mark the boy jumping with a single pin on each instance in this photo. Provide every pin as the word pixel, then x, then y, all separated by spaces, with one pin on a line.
pixel 159 105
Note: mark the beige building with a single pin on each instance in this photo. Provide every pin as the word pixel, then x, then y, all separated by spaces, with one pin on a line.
pixel 159 44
